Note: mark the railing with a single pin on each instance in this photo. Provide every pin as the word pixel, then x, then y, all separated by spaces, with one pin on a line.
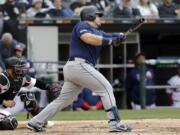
pixel 60 64
pixel 143 87
pixel 104 20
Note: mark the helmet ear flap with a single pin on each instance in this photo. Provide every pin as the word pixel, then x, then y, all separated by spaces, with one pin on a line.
pixel 88 17
pixel 91 17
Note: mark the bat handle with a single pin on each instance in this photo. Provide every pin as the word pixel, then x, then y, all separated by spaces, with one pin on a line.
pixel 128 32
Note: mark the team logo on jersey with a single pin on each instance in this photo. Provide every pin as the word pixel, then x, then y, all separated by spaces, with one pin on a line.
pixel 84 30
pixel 3 88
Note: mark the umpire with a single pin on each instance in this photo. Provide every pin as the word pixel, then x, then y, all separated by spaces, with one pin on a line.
pixel 79 72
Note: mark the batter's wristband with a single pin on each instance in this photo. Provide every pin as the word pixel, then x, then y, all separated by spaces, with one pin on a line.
pixel 106 41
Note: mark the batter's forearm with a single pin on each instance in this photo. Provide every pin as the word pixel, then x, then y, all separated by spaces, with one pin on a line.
pixel 92 39
pixel 110 35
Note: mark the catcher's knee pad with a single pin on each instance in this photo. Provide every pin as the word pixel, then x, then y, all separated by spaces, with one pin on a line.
pixel 8 123
pixel 30 102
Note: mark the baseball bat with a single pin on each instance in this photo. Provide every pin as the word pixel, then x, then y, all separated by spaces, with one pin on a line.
pixel 140 23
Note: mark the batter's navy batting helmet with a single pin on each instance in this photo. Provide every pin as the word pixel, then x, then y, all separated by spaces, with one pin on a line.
pixel 89 13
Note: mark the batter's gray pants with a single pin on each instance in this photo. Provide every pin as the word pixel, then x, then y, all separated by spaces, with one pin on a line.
pixel 78 74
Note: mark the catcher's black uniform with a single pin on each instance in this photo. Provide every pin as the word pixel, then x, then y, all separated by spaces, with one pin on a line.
pixel 10 86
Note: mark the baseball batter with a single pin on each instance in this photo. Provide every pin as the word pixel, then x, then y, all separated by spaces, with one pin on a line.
pixel 79 72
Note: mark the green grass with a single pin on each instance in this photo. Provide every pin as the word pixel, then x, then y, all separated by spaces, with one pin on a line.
pixel 163 113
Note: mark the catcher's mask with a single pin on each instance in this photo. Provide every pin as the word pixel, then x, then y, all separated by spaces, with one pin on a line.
pixel 18 65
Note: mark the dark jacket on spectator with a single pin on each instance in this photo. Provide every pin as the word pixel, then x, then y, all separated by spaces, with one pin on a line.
pixel 125 12
pixel 6 51
pixel 13 11
pixel 133 86
pixel 64 12
pixel 167 11
pixel 77 4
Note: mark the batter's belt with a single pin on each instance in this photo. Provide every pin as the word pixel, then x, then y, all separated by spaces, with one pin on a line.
pixel 80 60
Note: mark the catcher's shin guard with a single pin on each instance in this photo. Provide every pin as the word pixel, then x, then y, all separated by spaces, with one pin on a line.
pixel 30 102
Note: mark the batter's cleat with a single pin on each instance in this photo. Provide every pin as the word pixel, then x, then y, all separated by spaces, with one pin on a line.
pixel 35 127
pixel 119 127
pixel 48 124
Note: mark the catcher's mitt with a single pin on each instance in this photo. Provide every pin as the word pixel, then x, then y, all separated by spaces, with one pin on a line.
pixel 54 91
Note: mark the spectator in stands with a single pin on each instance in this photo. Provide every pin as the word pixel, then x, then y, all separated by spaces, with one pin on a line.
pixel 124 10
pixel 101 4
pixel 1 24
pixel 77 6
pixel 36 10
pixel 168 9
pixel 87 100
pixel 104 5
pixel 148 9
pixel 59 10
pixel 134 3
pixel 177 1
pixel 7 47
pixel 10 11
pixel 133 84
pixel 174 93
pixel 19 51
pixel 23 4
pixel 1 18
pixel 45 3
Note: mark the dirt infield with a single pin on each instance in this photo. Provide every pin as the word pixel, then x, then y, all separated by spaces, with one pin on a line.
pixel 140 127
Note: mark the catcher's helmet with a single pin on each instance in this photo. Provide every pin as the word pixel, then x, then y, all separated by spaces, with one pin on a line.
pixel 89 13
pixel 17 64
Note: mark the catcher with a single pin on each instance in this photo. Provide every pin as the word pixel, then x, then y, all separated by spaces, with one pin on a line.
pixel 13 99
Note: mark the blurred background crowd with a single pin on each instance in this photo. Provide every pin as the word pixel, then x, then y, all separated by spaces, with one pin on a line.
pixel 11 10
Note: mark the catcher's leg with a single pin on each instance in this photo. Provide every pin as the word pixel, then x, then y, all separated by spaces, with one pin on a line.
pixel 19 106
pixel 31 105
